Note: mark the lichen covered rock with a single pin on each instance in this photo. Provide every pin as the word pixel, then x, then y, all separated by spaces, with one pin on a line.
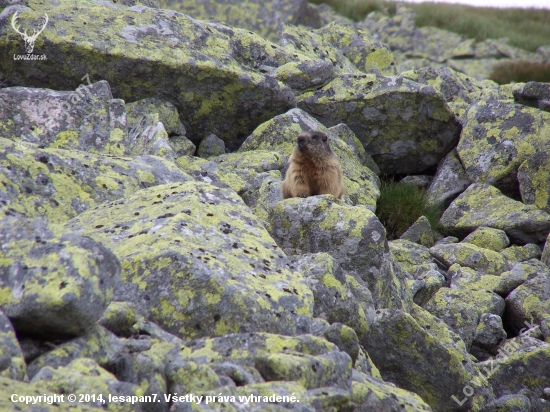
pixel 88 119
pixel 352 235
pixel 12 363
pixel 59 184
pixel 219 269
pixel 192 65
pixel 484 205
pixel 534 183
pixel 497 138
pixel 406 354
pixel 406 127
pixel 485 261
pixel 54 283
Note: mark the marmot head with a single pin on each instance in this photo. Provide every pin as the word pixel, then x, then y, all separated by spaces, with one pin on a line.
pixel 314 144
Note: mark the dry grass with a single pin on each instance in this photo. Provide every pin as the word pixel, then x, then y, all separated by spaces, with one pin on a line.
pixel 521 72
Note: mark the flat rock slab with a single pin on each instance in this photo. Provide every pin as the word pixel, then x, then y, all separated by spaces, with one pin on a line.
pixel 406 127
pixel 59 184
pixel 484 205
pixel 199 263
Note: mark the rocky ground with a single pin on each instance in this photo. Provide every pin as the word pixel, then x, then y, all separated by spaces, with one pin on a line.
pixel 145 251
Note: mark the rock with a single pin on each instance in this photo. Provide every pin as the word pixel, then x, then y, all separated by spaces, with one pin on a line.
pixel 281 132
pixel 84 376
pixel 220 269
pixel 12 362
pixel 488 238
pixel 391 116
pixel 431 43
pixel 497 138
pixel 119 318
pixel 519 273
pixel 522 253
pixel 167 113
pixel 456 87
pixel 337 298
pixel 479 68
pixel 359 47
pixel 195 66
pixel 426 286
pixel 306 360
pixel 468 278
pixel 182 145
pixel 461 309
pixel 447 240
pixel 8 387
pixel 529 303
pixel 343 132
pixel 518 403
pixel 412 257
pixel 371 394
pixel 88 119
pixel 59 184
pixel 533 181
pixel 57 284
pixel 422 181
pixel 484 205
pixel 263 18
pixel 516 372
pixel 489 333
pixel 299 40
pixel 534 94
pixel 211 145
pixel 485 261
pixel 420 232
pixel 352 235
pixel 302 75
pixel 345 338
pixel 405 354
pixel 450 180
pixel 148 137
pixel 97 343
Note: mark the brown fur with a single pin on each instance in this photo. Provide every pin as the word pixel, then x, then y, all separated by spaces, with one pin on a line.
pixel 313 169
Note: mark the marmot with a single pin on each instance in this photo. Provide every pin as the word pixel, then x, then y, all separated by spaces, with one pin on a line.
pixel 313 169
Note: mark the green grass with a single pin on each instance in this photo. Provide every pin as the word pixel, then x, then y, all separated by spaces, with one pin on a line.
pixel 525 28
pixel 521 72
pixel 400 205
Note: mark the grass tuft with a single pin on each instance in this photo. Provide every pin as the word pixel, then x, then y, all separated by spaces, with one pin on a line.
pixel 400 205
pixel 521 72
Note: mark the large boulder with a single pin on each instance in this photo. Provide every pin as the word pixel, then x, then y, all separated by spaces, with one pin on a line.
pixel 88 119
pixel 352 235
pixel 199 263
pixel 484 205
pixel 55 283
pixel 406 354
pixel 497 138
pixel 59 184
pixel 262 17
pixel 406 127
pixel 195 66
pixel 528 303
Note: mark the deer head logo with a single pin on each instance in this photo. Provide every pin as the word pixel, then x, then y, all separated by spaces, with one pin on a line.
pixel 29 40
